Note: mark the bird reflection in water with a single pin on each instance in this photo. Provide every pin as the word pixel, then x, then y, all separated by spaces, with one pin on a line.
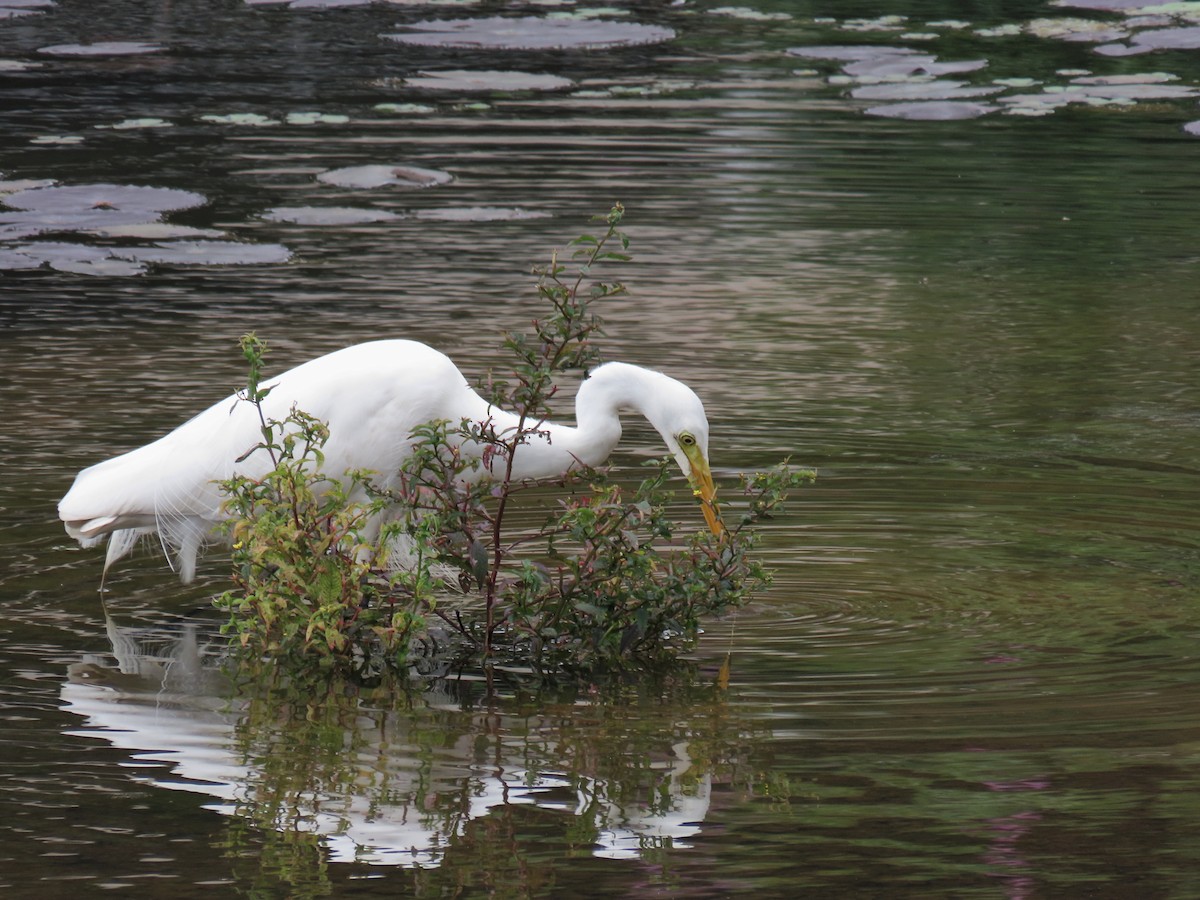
pixel 399 786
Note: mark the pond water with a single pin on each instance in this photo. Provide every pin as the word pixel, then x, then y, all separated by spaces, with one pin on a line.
pixel 976 673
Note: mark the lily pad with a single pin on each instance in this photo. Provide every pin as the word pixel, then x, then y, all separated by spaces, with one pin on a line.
pixel 849 52
pixel 487 80
pixel 134 124
pixel 1010 29
pixel 59 139
pixel 908 65
pixel 481 214
pixel 385 175
pixel 78 259
pixel 1095 91
pixel 12 9
pixel 531 33
pixel 206 253
pixel 1186 38
pixel 316 118
pixel 933 111
pixel 23 184
pixel 328 215
pixel 922 90
pixel 748 14
pixel 255 120
pixel 326 4
pixel 405 108
pixel 86 198
pixel 103 48
pixel 154 231
pixel 880 23
pixel 1080 30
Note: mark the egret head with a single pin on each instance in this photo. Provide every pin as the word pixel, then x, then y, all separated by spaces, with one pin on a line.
pixel 678 415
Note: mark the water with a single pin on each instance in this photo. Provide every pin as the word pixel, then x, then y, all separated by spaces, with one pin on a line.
pixel 976 672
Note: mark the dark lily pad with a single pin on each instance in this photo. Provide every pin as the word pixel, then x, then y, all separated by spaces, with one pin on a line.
pixel 487 80
pixel 102 48
pixel 328 215
pixel 933 111
pixel 374 176
pixel 531 33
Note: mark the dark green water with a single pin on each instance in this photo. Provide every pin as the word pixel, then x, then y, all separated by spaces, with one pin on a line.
pixel 976 674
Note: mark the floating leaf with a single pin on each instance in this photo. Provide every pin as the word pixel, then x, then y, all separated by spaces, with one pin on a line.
pixel 252 119
pixel 1082 30
pixel 23 184
pixel 922 90
pixel 487 80
pixel 531 33
pixel 328 215
pixel 316 118
pixel 1008 30
pixel 908 65
pixel 848 53
pixel 480 214
pixel 65 139
pixel 937 111
pixel 880 23
pixel 405 108
pixel 131 124
pixel 82 198
pixel 374 176
pixel 751 15
pixel 102 48
pixel 62 256
pixel 1187 38
pixel 207 253
pixel 153 231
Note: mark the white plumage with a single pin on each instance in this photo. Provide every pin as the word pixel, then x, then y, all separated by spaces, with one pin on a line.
pixel 371 396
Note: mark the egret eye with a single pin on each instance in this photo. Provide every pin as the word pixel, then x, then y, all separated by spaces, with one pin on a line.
pixel 687 440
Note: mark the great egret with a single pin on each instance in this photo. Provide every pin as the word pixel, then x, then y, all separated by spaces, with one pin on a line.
pixel 371 396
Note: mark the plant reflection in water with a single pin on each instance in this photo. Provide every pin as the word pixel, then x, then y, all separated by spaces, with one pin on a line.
pixel 396 778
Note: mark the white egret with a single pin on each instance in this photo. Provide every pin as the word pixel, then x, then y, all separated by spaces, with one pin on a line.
pixel 371 396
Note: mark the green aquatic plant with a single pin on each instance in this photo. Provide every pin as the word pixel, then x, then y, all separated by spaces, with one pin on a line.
pixel 336 571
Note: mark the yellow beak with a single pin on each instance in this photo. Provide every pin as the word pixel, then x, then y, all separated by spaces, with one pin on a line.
pixel 703 489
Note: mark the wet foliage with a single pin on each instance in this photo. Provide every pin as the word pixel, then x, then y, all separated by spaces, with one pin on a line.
pixel 606 583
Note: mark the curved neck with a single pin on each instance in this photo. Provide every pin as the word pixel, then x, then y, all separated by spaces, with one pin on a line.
pixel 558 447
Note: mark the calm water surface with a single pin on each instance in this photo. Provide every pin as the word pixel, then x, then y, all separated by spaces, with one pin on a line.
pixel 976 674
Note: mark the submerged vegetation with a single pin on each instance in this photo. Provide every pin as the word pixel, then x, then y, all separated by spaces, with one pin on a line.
pixel 332 572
